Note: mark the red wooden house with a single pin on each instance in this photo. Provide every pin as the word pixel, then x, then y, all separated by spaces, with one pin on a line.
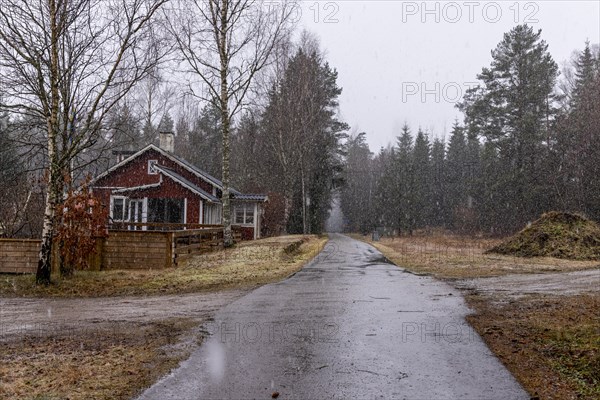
pixel 153 186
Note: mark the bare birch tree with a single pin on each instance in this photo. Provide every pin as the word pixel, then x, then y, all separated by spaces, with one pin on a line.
pixel 66 63
pixel 224 44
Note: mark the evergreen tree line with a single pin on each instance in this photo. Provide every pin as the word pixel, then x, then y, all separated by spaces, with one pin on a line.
pixel 529 143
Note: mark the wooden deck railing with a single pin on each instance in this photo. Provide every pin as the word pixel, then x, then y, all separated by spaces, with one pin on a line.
pixel 156 226
pixel 197 241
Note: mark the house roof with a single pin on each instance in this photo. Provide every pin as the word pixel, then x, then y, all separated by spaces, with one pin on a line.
pixel 251 197
pixel 168 172
pixel 193 169
pixel 201 173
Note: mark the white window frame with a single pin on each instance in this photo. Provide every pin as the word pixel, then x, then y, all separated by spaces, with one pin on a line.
pixel 201 217
pixel 151 169
pixel 125 208
pixel 249 209
pixel 213 214
pixel 144 211
pixel 185 211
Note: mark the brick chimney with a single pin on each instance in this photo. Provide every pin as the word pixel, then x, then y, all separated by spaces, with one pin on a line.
pixel 167 141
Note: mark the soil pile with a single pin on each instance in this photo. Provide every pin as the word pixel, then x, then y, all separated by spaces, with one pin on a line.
pixel 555 234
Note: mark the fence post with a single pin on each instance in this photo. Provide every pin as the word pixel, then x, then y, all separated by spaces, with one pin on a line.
pixel 171 261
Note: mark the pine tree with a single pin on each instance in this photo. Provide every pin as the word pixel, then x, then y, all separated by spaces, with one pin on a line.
pixel 421 166
pixel 149 134
pixel 247 155
pixel 586 69
pixel 205 141
pixel 457 173
pixel 303 136
pixel 182 137
pixel 403 178
pixel 386 208
pixel 575 148
pixel 439 188
pixel 125 131
pixel 166 123
pixel 512 109
pixel 356 194
pixel 492 204
pixel 10 164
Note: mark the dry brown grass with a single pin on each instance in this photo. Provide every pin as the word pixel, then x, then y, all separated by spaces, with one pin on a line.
pixel 103 364
pixel 249 263
pixel 551 344
pixel 454 256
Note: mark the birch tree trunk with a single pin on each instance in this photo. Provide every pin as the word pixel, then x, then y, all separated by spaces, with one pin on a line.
pixel 225 124
pixel 62 59
pixel 54 188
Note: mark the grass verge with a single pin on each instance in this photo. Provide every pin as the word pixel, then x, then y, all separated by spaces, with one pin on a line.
pixel 247 264
pixel 108 363
pixel 458 257
pixel 550 343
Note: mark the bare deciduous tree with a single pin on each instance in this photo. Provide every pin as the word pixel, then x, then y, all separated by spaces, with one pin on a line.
pixel 224 44
pixel 65 64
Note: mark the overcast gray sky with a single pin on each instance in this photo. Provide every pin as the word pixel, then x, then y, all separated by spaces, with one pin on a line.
pixel 410 61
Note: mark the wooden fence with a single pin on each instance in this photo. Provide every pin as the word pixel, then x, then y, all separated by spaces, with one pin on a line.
pixel 135 250
pixel 124 249
pixel 19 256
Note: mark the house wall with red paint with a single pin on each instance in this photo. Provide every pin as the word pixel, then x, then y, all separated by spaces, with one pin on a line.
pixel 128 182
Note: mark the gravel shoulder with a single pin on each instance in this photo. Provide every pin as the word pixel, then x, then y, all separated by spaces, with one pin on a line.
pixel 37 316
pixel 520 285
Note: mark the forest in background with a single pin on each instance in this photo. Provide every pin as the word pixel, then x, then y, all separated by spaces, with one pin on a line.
pixel 529 143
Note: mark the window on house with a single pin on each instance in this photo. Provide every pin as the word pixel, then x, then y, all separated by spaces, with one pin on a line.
pixel 120 208
pixel 166 211
pixel 239 214
pixel 152 167
pixel 213 214
pixel 244 214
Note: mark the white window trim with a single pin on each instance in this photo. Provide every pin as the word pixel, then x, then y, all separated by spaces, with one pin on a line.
pixel 145 213
pixel 246 209
pixel 125 209
pixel 214 214
pixel 255 221
pixel 185 210
pixel 144 205
pixel 201 217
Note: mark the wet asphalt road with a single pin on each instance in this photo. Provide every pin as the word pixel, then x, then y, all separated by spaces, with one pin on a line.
pixel 349 325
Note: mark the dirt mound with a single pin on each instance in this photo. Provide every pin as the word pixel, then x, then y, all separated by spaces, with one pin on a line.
pixel 555 234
